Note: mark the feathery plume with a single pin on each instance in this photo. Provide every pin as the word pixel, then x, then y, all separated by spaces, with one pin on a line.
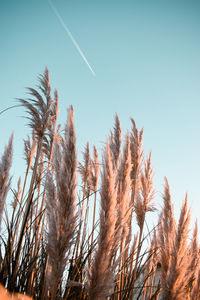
pixel 48 140
pixel 136 139
pixel 61 204
pixel 193 259
pixel 101 277
pixel 85 169
pixel 115 141
pixel 5 165
pixel 29 149
pixel 124 187
pixel 196 289
pixel 143 202
pixel 39 109
pixel 166 234
pixel 17 194
pixel 94 174
pixel 174 287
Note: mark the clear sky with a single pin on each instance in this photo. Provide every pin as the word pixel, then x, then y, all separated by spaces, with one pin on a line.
pixel 146 57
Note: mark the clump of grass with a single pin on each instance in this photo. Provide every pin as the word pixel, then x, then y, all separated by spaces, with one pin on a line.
pixel 55 244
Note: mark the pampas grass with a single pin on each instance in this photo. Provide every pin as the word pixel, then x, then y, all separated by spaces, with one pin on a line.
pixel 60 240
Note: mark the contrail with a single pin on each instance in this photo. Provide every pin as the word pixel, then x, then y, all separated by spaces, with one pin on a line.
pixel 71 37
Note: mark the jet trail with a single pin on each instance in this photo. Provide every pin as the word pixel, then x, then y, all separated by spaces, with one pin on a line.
pixel 71 37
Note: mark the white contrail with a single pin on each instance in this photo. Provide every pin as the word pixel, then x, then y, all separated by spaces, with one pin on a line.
pixel 71 37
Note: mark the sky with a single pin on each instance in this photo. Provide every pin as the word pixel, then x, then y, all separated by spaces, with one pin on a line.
pixel 136 58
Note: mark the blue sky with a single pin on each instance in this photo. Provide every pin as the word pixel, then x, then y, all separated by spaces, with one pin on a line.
pixel 146 56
